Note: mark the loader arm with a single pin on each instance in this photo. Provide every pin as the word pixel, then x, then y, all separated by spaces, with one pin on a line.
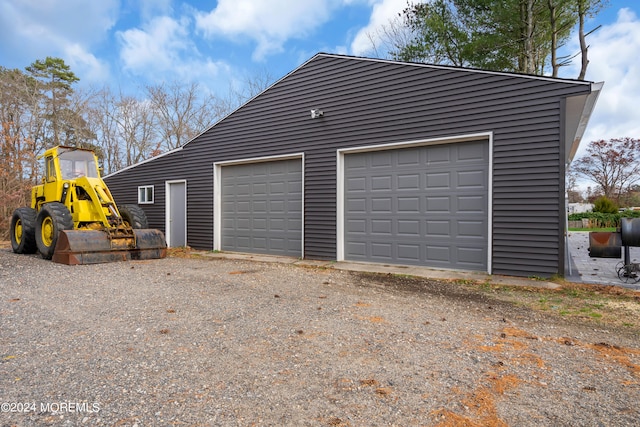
pixel 102 207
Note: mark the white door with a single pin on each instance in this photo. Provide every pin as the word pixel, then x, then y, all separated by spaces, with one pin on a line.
pixel 177 213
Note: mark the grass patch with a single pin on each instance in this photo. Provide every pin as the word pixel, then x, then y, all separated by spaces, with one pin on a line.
pixel 594 229
pixel 606 306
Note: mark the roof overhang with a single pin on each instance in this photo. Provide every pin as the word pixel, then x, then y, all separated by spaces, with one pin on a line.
pixel 577 114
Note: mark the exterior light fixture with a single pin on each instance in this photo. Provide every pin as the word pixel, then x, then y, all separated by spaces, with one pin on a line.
pixel 316 113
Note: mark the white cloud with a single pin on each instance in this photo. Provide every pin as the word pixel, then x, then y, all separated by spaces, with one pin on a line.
pixel 614 59
pixel 152 8
pixel 34 29
pixel 368 38
pixel 46 27
pixel 163 50
pixel 156 46
pixel 269 23
pixel 85 64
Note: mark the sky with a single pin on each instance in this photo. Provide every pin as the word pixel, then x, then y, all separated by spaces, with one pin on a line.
pixel 127 44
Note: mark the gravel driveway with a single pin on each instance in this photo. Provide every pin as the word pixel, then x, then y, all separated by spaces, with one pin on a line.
pixel 208 342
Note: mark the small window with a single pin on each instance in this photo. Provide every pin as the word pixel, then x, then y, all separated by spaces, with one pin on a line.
pixel 145 194
pixel 51 169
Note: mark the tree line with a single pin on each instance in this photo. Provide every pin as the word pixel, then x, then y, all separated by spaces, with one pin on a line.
pixel 41 107
pixel 522 36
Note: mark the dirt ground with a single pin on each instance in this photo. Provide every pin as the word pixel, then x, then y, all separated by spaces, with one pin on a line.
pixel 190 340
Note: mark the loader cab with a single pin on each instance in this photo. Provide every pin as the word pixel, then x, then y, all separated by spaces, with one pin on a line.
pixel 76 163
pixel 63 164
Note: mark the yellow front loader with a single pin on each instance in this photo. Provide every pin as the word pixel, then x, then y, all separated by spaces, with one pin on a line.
pixel 73 218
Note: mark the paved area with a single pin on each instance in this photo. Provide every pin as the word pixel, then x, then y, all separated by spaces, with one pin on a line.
pixel 583 268
pixel 601 271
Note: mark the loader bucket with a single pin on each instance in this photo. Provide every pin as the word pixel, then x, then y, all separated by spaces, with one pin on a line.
pixel 94 247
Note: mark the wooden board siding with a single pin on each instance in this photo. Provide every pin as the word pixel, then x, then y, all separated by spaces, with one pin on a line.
pixel 369 102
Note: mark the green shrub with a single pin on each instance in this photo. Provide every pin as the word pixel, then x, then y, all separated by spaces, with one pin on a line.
pixel 604 220
pixel 605 205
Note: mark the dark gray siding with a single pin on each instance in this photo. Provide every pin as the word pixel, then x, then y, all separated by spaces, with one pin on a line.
pixel 368 102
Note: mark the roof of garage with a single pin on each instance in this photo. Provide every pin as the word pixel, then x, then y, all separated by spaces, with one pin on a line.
pixel 578 111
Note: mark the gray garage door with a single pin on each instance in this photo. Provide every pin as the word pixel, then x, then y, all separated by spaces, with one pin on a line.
pixel 262 207
pixel 419 206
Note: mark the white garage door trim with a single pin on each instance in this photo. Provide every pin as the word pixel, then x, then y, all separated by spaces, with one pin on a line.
pixel 340 191
pixel 217 192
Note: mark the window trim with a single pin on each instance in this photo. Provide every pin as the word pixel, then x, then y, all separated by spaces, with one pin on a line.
pixel 143 192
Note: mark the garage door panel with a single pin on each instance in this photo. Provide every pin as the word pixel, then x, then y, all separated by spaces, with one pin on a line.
pixel 259 224
pixel 381 226
pixel 409 205
pixel 259 188
pixel 408 182
pixel 438 228
pixel 357 249
pixel 242 189
pixel 409 253
pixel 439 181
pixel 408 227
pixel 472 229
pixel 356 184
pixel 243 224
pixel 471 179
pixel 439 204
pixel 277 225
pixel 277 188
pixel 420 205
pixel 381 183
pixel 438 155
pixel 438 254
pixel 409 157
pixel 381 250
pixel 276 206
pixel 472 153
pixel 382 159
pixel 257 206
pixel 243 242
pixel 355 205
pixel 471 258
pixel 381 204
pixel 258 243
pixel 267 216
pixel 471 204
pixel 294 187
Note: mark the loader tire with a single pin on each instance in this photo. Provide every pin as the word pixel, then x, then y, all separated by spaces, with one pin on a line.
pixel 52 218
pixel 134 216
pixel 23 231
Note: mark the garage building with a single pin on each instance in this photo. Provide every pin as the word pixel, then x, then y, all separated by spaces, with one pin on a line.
pixel 371 160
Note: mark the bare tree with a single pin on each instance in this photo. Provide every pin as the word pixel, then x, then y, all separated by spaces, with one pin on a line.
pixel 181 111
pixel 242 91
pixel 76 128
pixel 103 114
pixel 390 37
pixel 586 8
pixel 126 129
pixel 18 123
pixel 573 192
pixel 136 129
